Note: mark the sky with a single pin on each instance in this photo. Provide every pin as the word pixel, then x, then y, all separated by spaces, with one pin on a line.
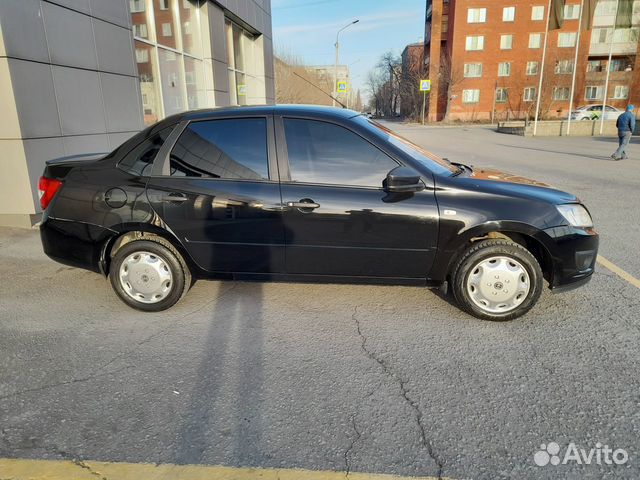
pixel 307 29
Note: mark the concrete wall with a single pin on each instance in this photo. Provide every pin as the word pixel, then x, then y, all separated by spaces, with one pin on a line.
pixel 67 86
pixel 68 83
pixel 559 128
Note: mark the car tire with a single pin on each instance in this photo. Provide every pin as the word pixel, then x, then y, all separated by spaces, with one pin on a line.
pixel 149 275
pixel 484 276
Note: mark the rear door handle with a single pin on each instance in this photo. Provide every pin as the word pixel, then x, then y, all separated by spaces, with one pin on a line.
pixel 174 198
pixel 310 205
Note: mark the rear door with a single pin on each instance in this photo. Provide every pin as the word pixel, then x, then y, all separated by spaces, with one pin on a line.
pixel 217 190
pixel 339 220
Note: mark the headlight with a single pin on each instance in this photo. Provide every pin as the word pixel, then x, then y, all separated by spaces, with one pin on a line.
pixel 576 215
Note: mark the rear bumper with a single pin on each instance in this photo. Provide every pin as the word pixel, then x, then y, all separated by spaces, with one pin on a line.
pixel 75 244
pixel 574 257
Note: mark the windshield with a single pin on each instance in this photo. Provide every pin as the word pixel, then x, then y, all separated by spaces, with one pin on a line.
pixel 430 160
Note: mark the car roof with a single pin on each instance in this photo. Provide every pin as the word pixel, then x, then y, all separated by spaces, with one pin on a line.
pixel 314 111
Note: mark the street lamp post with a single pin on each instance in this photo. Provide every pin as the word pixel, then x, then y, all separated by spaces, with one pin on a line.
pixel 335 66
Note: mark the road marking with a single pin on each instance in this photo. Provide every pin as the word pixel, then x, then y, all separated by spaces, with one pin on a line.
pixel 22 469
pixel 618 271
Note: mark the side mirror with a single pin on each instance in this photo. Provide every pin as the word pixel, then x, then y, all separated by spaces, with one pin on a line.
pixel 403 180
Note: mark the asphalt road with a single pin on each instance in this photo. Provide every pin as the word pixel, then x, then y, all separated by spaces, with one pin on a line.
pixel 333 377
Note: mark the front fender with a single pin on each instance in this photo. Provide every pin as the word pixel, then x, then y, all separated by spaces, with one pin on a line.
pixel 454 239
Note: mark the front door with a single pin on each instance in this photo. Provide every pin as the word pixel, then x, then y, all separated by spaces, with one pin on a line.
pixel 339 220
pixel 221 198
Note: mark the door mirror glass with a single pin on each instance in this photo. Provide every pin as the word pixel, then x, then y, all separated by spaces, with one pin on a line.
pixel 403 180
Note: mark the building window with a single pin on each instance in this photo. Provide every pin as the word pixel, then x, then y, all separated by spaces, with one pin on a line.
pixel 470 96
pixel 535 40
pixel 561 93
pixel 571 12
pixel 140 30
pixel 625 35
pixel 532 68
pixel 240 58
pixel 502 95
pixel 506 42
pixel 595 66
pixel 599 35
pixel 537 13
pixel 476 15
pixel 508 14
pixel 567 39
pixel 166 30
pixel 606 8
pixel 564 67
pixel 529 94
pixel 472 70
pixel 593 93
pixel 171 79
pixel 621 92
pixel 504 69
pixel 142 55
pixel 136 6
pixel 475 42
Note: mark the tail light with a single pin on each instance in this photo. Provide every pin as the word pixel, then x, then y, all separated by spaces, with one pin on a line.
pixel 47 188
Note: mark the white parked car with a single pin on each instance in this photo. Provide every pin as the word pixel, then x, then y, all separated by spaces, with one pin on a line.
pixel 593 112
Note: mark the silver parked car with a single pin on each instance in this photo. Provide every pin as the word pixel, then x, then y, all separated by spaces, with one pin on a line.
pixel 594 112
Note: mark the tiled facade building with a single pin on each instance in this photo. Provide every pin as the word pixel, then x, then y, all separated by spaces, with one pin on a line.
pixel 82 76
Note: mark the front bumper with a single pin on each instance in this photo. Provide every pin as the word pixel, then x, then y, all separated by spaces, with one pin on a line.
pixel 574 252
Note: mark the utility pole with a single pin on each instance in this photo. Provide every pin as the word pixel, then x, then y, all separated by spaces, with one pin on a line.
pixel 335 66
pixel 606 83
pixel 544 57
pixel 575 68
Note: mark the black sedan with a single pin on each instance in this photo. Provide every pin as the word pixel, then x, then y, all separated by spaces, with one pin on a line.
pixel 302 193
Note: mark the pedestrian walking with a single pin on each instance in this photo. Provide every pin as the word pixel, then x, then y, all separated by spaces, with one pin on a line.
pixel 626 126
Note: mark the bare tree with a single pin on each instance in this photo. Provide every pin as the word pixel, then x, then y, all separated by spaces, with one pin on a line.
pixel 451 75
pixel 295 83
pixel 375 83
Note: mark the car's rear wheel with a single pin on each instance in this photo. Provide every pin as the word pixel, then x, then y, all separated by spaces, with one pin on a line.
pixel 148 275
pixel 497 280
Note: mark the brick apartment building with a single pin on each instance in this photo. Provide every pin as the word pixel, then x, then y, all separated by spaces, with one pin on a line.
pixel 413 70
pixel 484 59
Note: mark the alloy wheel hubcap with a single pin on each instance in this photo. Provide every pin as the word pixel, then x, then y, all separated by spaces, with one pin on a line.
pixel 498 284
pixel 146 277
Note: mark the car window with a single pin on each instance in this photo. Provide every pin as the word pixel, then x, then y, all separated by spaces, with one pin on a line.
pixel 228 149
pixel 610 109
pixel 321 152
pixel 139 161
pixel 596 108
pixel 431 161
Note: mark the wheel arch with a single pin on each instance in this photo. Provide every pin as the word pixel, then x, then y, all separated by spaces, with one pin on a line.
pixel 528 236
pixel 127 233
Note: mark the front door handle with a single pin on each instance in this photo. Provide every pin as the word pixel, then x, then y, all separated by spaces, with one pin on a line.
pixel 304 204
pixel 174 198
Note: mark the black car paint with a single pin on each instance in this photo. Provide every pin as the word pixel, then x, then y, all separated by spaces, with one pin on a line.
pixel 244 229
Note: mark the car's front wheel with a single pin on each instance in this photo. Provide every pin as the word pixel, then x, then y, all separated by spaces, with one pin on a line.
pixel 497 280
pixel 149 275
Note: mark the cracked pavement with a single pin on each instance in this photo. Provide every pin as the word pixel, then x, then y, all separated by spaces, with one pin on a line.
pixel 334 377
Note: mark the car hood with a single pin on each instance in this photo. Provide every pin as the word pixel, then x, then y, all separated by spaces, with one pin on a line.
pixel 499 176
pixel 502 183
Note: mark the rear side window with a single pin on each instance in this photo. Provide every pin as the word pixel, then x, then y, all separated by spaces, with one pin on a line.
pixel 321 152
pixel 139 161
pixel 227 149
